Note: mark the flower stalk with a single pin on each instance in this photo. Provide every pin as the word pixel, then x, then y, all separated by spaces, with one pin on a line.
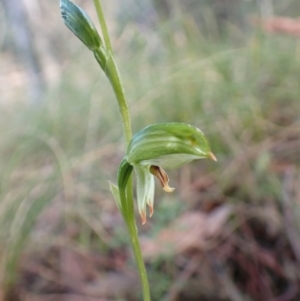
pixel 113 75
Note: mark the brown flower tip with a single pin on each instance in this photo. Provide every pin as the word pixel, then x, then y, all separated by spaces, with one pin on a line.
pixel 162 177
pixel 167 188
pixel 212 156
pixel 143 216
pixel 151 210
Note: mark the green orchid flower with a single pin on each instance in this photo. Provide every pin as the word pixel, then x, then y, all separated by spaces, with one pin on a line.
pixel 153 149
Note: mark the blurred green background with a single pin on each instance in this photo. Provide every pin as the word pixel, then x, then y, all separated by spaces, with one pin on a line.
pixel 230 231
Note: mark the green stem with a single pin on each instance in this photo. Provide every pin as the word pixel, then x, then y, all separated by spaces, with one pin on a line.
pixel 134 239
pixel 111 70
pixel 101 18
pixel 107 63
pixel 115 79
pixel 128 214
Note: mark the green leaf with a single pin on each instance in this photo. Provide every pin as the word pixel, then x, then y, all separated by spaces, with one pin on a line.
pixel 124 173
pixel 77 20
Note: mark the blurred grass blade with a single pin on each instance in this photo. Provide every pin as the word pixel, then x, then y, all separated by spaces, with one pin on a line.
pixel 77 20
pixel 21 226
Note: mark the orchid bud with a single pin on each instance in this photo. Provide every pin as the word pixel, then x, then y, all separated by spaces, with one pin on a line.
pixel 77 20
pixel 158 146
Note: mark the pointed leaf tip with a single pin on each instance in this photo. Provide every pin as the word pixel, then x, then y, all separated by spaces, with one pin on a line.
pixel 116 194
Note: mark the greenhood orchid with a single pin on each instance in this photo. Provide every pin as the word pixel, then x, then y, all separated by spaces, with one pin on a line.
pixel 158 146
pixel 153 149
